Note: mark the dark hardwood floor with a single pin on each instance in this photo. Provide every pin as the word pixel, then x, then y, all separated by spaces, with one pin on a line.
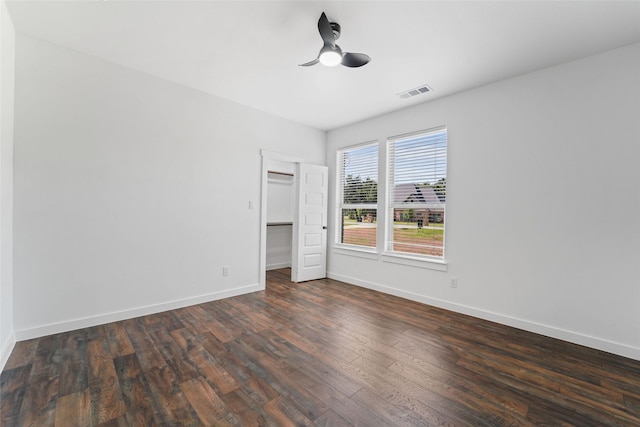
pixel 318 353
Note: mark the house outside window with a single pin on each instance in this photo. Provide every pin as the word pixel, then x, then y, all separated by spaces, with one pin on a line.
pixel 417 180
pixel 358 195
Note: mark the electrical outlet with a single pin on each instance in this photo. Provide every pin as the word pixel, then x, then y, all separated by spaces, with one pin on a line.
pixel 251 205
pixel 225 270
pixel 453 282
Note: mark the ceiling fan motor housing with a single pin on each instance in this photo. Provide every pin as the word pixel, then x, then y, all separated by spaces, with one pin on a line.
pixel 335 27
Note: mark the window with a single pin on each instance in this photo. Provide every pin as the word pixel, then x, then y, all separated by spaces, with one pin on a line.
pixel 417 183
pixel 358 195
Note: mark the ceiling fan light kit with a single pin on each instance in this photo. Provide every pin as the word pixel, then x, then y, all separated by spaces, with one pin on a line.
pixel 331 54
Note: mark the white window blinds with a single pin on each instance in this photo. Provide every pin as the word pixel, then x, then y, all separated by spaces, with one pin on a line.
pixel 359 175
pixel 417 193
pixel 358 195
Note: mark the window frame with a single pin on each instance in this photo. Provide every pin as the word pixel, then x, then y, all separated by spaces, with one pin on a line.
pixel 353 249
pixel 408 258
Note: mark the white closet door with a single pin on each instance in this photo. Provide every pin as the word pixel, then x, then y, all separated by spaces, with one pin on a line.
pixel 309 260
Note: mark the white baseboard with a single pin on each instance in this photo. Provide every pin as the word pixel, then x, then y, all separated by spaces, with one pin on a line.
pixel 7 348
pixel 550 331
pixel 276 266
pixel 86 322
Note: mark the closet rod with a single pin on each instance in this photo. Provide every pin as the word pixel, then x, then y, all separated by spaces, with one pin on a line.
pixel 280 173
pixel 275 224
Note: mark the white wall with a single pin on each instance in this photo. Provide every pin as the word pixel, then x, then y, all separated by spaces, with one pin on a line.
pixel 7 64
pixel 279 241
pixel 131 192
pixel 543 202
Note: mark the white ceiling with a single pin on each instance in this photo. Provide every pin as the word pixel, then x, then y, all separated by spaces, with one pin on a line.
pixel 248 52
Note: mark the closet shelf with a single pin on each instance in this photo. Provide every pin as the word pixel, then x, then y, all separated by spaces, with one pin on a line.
pixel 280 173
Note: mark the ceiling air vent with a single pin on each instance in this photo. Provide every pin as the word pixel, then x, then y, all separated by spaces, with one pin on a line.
pixel 413 92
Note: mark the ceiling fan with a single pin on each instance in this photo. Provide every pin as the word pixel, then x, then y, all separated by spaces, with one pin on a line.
pixel 331 54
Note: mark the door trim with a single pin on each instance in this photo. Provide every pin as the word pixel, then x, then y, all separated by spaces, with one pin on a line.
pixel 269 158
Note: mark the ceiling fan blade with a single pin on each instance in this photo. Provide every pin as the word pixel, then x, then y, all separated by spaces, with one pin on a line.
pixel 355 59
pixel 325 30
pixel 310 63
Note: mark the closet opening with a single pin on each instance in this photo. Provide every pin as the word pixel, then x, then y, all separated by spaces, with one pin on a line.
pixel 280 214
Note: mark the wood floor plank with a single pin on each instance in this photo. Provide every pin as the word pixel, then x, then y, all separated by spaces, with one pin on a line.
pixel 325 372
pixel 315 353
pixel 388 413
pixel 48 356
pixel 95 333
pixel 13 387
pixel 135 391
pixel 214 318
pixel 172 407
pixel 119 342
pixel 285 413
pixel 39 404
pixel 255 386
pixel 549 400
pixel 331 419
pixel 333 399
pixel 210 408
pixel 259 321
pixel 423 395
pixel 173 355
pixel 240 318
pixel 190 322
pixel 143 344
pixel 73 376
pixel 632 404
pixel 74 410
pixel 248 412
pixel 206 364
pixel 106 396
pixel 221 323
pixel 170 320
pixel 267 366
pixel 117 422
pixel 425 366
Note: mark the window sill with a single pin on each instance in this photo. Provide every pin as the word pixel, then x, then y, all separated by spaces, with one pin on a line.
pixel 414 261
pixel 355 251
